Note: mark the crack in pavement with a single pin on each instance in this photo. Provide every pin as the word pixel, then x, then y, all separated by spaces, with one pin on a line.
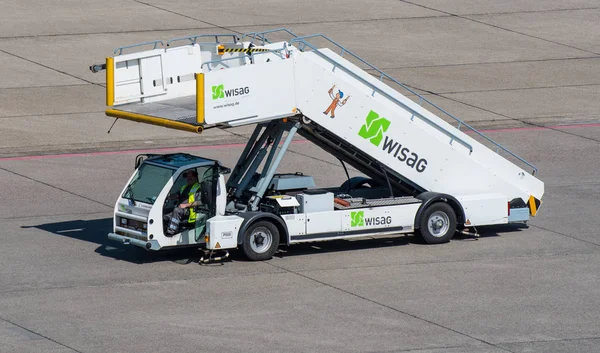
pixel 49 68
pixel 283 24
pixel 488 63
pixel 506 117
pixel 40 335
pixel 56 187
pixel 499 27
pixel 556 340
pixel 49 114
pixel 29 217
pixel 46 86
pixel 565 235
pixel 388 307
pixel 523 121
pixel 186 16
pixel 520 88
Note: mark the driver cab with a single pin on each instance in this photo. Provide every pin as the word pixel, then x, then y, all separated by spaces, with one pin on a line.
pixel 154 191
pixel 194 184
pixel 181 174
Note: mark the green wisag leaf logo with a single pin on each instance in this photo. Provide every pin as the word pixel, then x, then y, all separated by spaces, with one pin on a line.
pixel 217 92
pixel 374 128
pixel 357 219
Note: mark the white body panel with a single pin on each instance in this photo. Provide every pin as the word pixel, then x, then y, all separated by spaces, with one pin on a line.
pixel 223 232
pixel 315 203
pixel 323 222
pixel 159 74
pixel 296 224
pixel 251 92
pixel 484 209
pixel 221 201
pixel 285 201
pixel 318 226
pixel 359 222
pixel 134 74
pixel 381 217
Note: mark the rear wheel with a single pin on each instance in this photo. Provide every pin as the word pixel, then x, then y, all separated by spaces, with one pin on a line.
pixel 261 240
pixel 438 223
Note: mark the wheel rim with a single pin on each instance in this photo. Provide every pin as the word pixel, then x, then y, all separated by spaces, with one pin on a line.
pixel 261 240
pixel 438 224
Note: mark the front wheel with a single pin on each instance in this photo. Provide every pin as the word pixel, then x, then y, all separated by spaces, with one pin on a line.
pixel 261 240
pixel 438 223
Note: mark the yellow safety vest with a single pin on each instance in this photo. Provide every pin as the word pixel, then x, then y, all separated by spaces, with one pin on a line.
pixel 191 199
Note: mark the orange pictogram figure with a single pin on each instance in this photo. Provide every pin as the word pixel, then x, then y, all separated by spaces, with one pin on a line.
pixel 336 101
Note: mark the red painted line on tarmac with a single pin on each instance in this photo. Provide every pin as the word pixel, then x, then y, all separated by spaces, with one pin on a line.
pixel 166 149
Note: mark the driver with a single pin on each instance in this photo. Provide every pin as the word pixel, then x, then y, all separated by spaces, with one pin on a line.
pixel 186 199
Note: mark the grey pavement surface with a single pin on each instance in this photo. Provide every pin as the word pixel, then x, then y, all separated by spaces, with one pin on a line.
pixel 524 71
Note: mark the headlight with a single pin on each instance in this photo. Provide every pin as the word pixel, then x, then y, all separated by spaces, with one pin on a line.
pixel 123 221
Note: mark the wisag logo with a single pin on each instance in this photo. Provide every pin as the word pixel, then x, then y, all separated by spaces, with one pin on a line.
pixel 219 91
pixel 357 219
pixel 374 129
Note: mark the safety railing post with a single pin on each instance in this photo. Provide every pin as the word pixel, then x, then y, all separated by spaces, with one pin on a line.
pixel 119 50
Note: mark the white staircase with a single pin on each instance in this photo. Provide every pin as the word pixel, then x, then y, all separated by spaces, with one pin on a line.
pixel 291 78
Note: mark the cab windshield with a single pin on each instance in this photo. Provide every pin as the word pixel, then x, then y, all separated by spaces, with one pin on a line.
pixel 147 183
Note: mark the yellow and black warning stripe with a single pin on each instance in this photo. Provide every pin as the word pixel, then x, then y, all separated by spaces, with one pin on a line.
pixel 241 50
pixel 534 205
pixel 222 50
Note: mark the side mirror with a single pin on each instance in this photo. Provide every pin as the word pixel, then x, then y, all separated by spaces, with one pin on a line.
pixel 224 170
pixel 138 161
pixel 141 157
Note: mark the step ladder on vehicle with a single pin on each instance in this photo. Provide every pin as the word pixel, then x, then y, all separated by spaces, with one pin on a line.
pixel 423 171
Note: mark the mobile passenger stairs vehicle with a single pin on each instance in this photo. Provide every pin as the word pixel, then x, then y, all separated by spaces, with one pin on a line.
pixel 422 174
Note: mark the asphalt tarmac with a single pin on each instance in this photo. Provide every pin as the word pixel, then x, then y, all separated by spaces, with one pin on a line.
pixel 524 72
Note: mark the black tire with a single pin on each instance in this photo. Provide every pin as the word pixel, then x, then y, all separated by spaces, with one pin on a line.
pixel 261 240
pixel 358 182
pixel 438 223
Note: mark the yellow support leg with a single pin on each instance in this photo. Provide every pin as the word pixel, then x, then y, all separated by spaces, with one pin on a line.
pixel 200 98
pixel 110 81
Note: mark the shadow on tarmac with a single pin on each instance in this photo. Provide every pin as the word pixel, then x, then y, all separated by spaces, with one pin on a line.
pixel 387 241
pixel 96 231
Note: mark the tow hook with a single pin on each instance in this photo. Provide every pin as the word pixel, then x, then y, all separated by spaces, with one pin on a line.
pixel 208 256
pixel 473 235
